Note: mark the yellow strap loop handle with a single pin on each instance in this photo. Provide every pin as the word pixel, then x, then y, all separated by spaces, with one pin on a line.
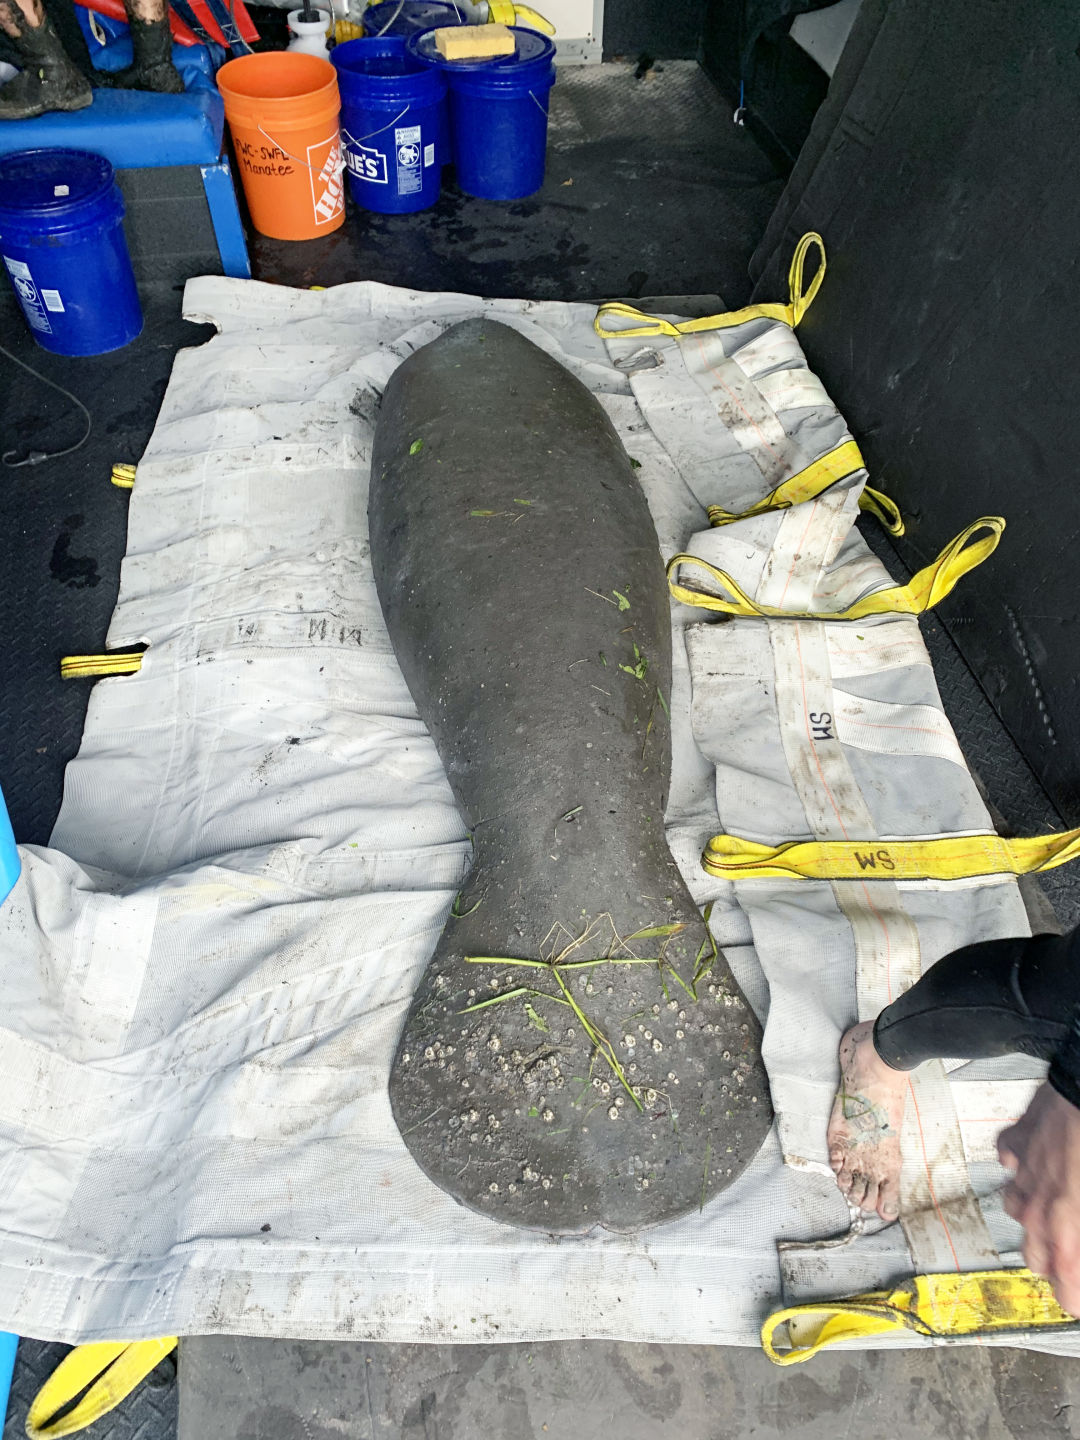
pixel 940 1306
pixel 790 314
pixel 123 476
pixel 814 480
pixel 92 667
pixel 111 1370
pixel 878 504
pixel 526 15
pixel 800 302
pixel 925 589
pixel 943 857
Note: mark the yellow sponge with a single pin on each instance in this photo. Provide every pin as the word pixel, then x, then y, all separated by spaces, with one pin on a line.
pixel 474 42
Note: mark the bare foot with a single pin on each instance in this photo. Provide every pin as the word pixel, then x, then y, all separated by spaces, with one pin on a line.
pixel 864 1128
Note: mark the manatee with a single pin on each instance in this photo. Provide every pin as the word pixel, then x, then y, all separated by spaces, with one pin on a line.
pixel 577 1053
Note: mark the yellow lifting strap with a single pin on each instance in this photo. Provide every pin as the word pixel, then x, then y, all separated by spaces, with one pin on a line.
pixel 790 314
pixel 878 504
pixel 505 12
pixel 813 481
pixel 123 476
pixel 944 1307
pixel 924 590
pixel 92 667
pixel 107 1372
pixel 943 857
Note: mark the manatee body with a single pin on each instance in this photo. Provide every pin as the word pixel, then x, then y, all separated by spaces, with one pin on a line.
pixel 522 584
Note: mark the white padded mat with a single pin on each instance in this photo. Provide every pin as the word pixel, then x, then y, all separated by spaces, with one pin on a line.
pixel 205 973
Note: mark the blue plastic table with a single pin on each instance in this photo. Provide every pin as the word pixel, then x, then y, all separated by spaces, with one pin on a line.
pixel 135 130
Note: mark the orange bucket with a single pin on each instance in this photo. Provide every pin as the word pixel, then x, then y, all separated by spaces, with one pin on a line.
pixel 282 108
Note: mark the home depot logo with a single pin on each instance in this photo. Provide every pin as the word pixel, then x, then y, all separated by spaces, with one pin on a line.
pixel 327 187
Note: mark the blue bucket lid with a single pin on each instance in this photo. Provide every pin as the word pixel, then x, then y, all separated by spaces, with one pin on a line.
pixel 379 69
pixel 374 55
pixel 532 49
pixel 410 17
pixel 52 185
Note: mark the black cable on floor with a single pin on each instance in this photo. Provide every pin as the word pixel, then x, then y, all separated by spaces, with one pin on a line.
pixel 38 457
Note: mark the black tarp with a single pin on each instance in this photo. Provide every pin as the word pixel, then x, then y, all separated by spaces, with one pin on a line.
pixel 942 172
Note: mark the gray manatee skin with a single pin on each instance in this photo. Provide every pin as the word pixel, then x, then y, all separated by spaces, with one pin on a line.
pixel 521 579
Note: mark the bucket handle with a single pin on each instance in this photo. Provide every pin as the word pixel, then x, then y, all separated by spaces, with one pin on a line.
pixel 339 169
pixel 401 5
pixel 536 102
pixel 353 141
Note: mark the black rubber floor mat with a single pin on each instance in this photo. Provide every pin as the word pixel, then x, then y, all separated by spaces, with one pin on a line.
pixel 650 188
pixel 64 531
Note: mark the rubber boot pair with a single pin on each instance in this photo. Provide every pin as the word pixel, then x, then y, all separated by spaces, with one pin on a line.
pixel 49 80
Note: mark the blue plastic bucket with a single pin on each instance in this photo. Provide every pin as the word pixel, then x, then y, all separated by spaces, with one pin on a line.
pixel 393 125
pixel 62 244
pixel 498 114
pixel 392 18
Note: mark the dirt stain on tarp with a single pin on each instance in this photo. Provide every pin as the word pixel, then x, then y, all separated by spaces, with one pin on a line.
pixel 77 572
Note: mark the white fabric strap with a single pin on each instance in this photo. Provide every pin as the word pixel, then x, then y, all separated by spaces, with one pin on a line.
pixel 742 408
pixel 887 729
pixel 793 390
pixel 808 538
pixel 858 650
pixel 773 348
pixel 940 1215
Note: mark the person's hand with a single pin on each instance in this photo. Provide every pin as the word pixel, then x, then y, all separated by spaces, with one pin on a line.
pixel 1043 1147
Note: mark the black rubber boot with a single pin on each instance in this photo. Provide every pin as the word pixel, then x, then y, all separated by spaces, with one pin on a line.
pixel 47 81
pixel 151 41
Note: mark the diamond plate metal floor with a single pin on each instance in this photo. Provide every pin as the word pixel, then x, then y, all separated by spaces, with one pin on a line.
pixel 63 530
pixel 649 188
